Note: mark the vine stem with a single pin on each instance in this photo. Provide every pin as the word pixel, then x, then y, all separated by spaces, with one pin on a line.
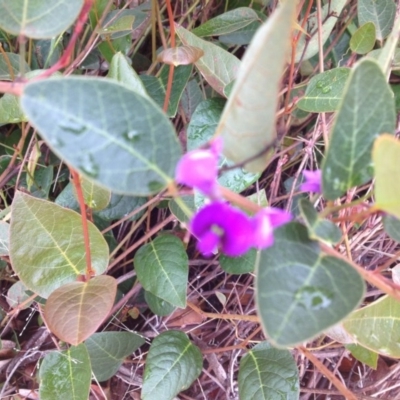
pixel 171 67
pixel 77 183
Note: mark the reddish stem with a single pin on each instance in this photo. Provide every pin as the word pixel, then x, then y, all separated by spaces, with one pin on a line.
pixel 171 67
pixel 77 183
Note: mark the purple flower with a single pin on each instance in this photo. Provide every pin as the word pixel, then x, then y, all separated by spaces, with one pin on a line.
pixel 264 223
pixel 199 169
pixel 313 181
pixel 218 225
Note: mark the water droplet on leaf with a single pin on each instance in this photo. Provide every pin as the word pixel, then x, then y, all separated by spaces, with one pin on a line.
pixel 132 135
pixel 73 126
pixel 326 89
pixel 315 298
pixel 88 166
pixel 320 84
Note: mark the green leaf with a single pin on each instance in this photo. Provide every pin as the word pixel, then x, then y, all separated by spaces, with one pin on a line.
pixel 392 227
pixel 156 87
pixel 308 45
pixel 122 26
pixel 377 326
pixel 247 125
pixel 191 98
pixel 386 155
pixel 107 351
pixel 201 130
pixel 266 373
pixel 325 91
pixel 318 228
pixel 120 206
pixel 218 66
pixel 47 247
pixel 4 238
pixel 366 111
pixel 158 306
pixel 10 111
pixel 239 265
pixel 109 133
pixel 363 39
pixel 95 196
pixel 121 71
pixel 363 355
pixel 176 209
pixel 228 22
pixel 74 311
pixel 17 295
pixel 381 13
pixel 173 363
pixel 162 268
pixel 300 291
pixel 35 19
pixel 14 61
pixel 65 375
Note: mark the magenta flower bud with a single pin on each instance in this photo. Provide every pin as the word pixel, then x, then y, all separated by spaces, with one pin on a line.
pixel 199 169
pixel 220 226
pixel 264 223
pixel 313 181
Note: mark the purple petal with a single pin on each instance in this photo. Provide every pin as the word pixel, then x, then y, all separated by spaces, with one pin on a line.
pixel 208 243
pixel 232 227
pixel 313 181
pixel 263 230
pixel 199 169
pixel 277 216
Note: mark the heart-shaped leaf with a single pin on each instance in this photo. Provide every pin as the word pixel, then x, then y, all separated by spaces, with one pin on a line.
pixel 247 125
pixel 111 134
pixel 173 363
pixel 107 351
pixel 300 291
pixel 267 373
pixel 74 311
pixel 386 155
pixel 35 19
pixel 65 375
pixel 162 268
pixel 47 247
pixel 218 66
pixel 377 326
pixel 366 111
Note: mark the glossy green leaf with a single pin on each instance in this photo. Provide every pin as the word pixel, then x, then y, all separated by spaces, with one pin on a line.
pixel 201 130
pixel 363 355
pixel 47 247
pixel 158 306
pixel 385 155
pixel 156 87
pixel 107 351
pixel 74 311
pixel 366 111
pixel 17 295
pixel 300 291
pixel 162 268
pixel 35 19
pixel 377 326
pixel 325 91
pixel 266 373
pixel 65 375
pixel 318 228
pixel 109 133
pixel 228 22
pixel 218 66
pixel 4 238
pixel 381 13
pixel 121 71
pixel 239 265
pixel 363 39
pixel 13 60
pixel 247 124
pixel 95 196
pixel 173 363
pixel 392 227
pixel 308 45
